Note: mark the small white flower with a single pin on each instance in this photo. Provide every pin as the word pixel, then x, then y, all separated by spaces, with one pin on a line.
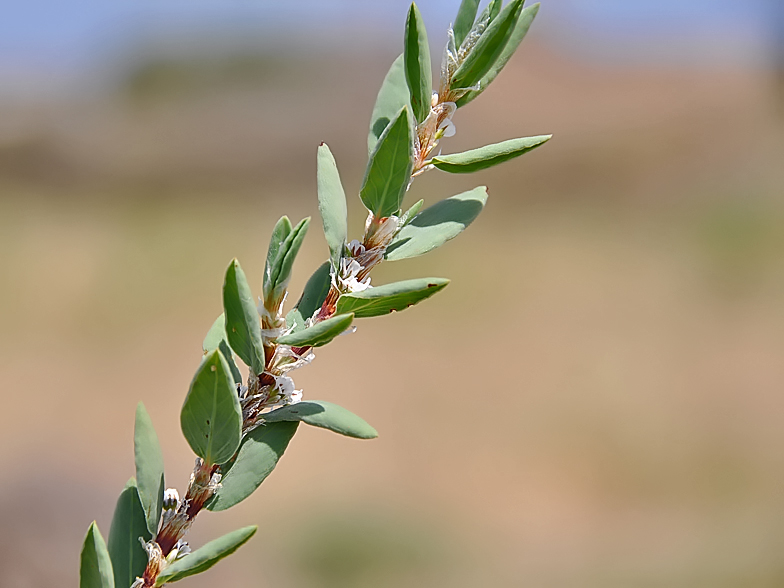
pixel 355 248
pixel 285 386
pixel 349 268
pixel 171 499
pixel 354 285
pixel 448 126
pixel 182 548
pixel 347 279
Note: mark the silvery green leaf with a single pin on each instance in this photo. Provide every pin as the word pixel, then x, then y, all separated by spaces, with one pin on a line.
pixel 95 570
pixel 416 61
pixel 326 415
pixel 390 166
pixel 488 48
pixel 410 213
pixel 487 156
pixel 205 557
pixel 319 334
pixel 437 224
pixel 332 204
pixel 466 15
pixel 243 329
pixel 392 96
pixel 216 339
pixel 520 31
pixel 149 468
pixel 211 418
pixel 279 233
pixel 129 559
pixel 258 455
pixel 280 270
pixel 312 298
pixel 389 298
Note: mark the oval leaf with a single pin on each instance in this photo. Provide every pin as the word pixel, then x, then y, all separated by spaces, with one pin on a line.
pixel 312 298
pixel 243 329
pixel 149 468
pixel 95 570
pixel 216 339
pixel 488 49
pixel 205 557
pixel 390 166
pixel 211 418
pixel 416 61
pixel 520 31
pixel 332 204
pixel 466 15
pixel 129 559
pixel 319 334
pixel 389 297
pixel 437 224
pixel 280 270
pixel 392 96
pixel 326 415
pixel 487 156
pixel 257 457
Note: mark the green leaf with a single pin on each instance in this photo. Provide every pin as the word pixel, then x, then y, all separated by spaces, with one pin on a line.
pixel 389 297
pixel 326 415
pixel 437 224
pixel 466 15
pixel 332 204
pixel 257 457
pixel 215 335
pixel 312 298
pixel 243 330
pixel 129 559
pixel 489 47
pixel 520 31
pixel 95 570
pixel 280 270
pixel 487 156
pixel 211 418
pixel 390 166
pixel 319 334
pixel 216 339
pixel 279 233
pixel 411 213
pixel 205 557
pixel 149 468
pixel 392 96
pixel 416 61
pixel 494 8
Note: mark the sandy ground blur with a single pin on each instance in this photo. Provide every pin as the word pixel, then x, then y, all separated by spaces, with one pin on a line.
pixel 596 400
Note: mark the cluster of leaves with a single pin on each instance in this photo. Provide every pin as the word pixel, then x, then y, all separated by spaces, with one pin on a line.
pixel 239 433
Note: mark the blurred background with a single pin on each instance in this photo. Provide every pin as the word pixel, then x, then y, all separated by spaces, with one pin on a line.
pixel 595 401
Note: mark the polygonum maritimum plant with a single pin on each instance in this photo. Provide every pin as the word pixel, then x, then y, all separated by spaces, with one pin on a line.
pixel 238 428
